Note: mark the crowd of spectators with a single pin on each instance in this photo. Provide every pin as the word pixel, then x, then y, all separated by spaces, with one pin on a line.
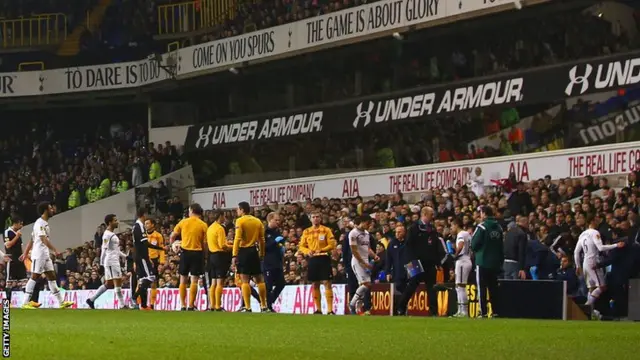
pixel 73 163
pixel 551 213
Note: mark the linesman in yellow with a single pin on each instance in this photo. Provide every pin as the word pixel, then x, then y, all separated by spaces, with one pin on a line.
pixel 317 242
pixel 157 257
pixel 219 260
pixel 193 232
pixel 248 251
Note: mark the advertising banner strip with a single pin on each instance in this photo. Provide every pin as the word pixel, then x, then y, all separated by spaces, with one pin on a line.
pixel 522 300
pixel 542 85
pixel 595 161
pixel 349 25
pixel 294 299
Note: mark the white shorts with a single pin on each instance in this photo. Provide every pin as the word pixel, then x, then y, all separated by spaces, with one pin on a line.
pixel 112 272
pixel 463 269
pixel 41 266
pixel 362 274
pixel 594 277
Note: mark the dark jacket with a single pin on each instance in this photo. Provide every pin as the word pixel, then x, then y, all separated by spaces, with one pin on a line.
pixel 273 254
pixel 568 275
pixel 515 246
pixel 346 254
pixel 423 244
pixel 520 203
pixel 488 245
pixel 394 264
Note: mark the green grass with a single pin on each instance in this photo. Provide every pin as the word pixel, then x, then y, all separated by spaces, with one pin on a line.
pixel 102 334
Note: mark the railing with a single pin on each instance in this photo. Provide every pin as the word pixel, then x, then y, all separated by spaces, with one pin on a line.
pixel 37 30
pixel 31 66
pixel 193 15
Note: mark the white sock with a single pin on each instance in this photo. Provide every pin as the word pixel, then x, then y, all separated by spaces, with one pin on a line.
pixel 593 296
pixel 119 295
pixel 53 287
pixel 28 291
pixel 360 293
pixel 462 299
pixel 98 293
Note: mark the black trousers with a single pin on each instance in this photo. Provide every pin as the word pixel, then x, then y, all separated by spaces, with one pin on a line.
pixel 400 286
pixel 352 282
pixel 39 287
pixel 488 280
pixel 274 280
pixel 133 285
pixel 428 277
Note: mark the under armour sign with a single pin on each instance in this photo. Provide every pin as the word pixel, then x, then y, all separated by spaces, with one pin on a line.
pixel 608 75
pixel 243 131
pixel 441 101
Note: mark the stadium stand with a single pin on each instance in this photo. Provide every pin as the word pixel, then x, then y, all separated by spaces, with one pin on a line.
pixel 391 65
pixel 554 225
pixel 90 156
pixel 74 165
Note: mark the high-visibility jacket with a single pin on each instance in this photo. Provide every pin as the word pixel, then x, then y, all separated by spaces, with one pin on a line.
pixel 74 199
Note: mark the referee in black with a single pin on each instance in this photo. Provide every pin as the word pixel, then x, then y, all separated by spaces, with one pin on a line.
pixel 487 244
pixel 424 245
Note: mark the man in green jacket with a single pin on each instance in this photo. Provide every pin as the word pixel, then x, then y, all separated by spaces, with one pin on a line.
pixel 487 244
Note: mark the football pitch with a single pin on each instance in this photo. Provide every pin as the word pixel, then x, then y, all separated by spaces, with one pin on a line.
pixel 104 334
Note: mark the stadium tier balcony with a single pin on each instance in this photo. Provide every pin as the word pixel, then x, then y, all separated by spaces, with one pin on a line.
pixel 390 65
pixel 215 19
pixel 35 24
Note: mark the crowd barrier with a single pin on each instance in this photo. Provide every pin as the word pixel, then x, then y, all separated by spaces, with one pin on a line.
pixel 520 299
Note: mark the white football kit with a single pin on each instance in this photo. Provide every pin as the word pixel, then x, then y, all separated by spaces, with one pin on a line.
pixel 463 263
pixel 40 255
pixel 362 240
pixel 590 244
pixel 110 257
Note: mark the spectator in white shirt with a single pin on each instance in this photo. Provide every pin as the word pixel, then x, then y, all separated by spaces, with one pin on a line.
pixel 477 183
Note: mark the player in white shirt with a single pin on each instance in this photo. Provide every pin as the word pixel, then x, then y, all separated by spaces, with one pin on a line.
pixel 41 248
pixel 110 260
pixel 463 266
pixel 590 245
pixel 360 243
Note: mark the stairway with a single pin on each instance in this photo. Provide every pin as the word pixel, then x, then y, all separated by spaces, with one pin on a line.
pixel 71 45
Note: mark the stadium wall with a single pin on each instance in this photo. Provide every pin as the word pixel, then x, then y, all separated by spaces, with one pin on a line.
pixel 297 299
pixel 615 159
